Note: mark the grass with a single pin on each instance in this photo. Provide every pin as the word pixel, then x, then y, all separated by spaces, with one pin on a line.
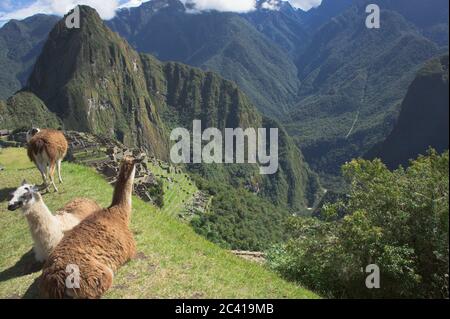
pixel 172 260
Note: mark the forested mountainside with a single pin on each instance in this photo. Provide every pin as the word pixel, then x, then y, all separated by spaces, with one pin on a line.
pixel 20 44
pixel 217 41
pixel 423 120
pixel 353 81
pixel 24 109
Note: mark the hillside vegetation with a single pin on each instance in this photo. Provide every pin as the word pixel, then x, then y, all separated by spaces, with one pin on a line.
pixel 397 220
pixel 172 261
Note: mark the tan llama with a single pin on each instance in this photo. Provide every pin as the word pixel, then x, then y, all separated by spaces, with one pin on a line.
pixel 47 148
pixel 97 247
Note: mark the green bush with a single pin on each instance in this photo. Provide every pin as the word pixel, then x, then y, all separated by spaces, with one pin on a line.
pixel 397 220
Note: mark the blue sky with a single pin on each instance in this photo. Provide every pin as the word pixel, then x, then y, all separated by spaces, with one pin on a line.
pixel 20 9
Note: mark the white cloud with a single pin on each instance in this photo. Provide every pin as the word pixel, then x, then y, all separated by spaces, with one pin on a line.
pixel 223 5
pixel 248 5
pixel 132 4
pixel 271 5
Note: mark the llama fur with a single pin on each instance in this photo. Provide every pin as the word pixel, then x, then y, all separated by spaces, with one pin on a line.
pixel 98 246
pixel 46 149
pixel 47 229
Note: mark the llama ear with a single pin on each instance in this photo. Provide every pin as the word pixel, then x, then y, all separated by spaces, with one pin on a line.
pixel 35 189
pixel 24 182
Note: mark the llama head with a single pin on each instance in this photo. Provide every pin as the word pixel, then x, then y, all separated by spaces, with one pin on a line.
pixel 32 133
pixel 23 197
pixel 128 168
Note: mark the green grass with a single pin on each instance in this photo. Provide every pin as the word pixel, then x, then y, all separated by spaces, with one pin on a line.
pixel 172 260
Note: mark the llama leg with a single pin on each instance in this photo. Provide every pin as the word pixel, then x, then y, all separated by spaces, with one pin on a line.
pixel 59 170
pixel 51 175
pixel 42 169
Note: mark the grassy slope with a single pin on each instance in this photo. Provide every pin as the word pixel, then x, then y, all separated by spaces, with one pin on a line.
pixel 173 261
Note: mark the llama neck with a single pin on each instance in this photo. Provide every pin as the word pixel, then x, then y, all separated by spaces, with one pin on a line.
pixel 43 225
pixel 123 190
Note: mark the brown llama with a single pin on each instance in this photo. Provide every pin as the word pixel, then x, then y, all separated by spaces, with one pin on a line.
pixel 97 247
pixel 47 148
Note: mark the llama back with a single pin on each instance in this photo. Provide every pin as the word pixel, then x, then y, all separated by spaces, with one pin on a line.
pixel 37 147
pixel 59 280
pixel 75 211
pixel 53 142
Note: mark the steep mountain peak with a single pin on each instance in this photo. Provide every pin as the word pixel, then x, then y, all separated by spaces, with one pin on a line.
pixel 94 81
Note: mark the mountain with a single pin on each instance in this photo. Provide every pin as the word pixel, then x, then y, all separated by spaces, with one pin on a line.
pixel 353 80
pixel 20 45
pixel 222 42
pixel 282 24
pixel 423 120
pixel 93 81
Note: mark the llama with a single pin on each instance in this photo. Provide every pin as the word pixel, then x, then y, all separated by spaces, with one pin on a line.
pixel 47 148
pixel 47 229
pixel 97 247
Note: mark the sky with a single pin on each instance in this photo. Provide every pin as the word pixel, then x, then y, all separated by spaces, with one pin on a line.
pixel 20 9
